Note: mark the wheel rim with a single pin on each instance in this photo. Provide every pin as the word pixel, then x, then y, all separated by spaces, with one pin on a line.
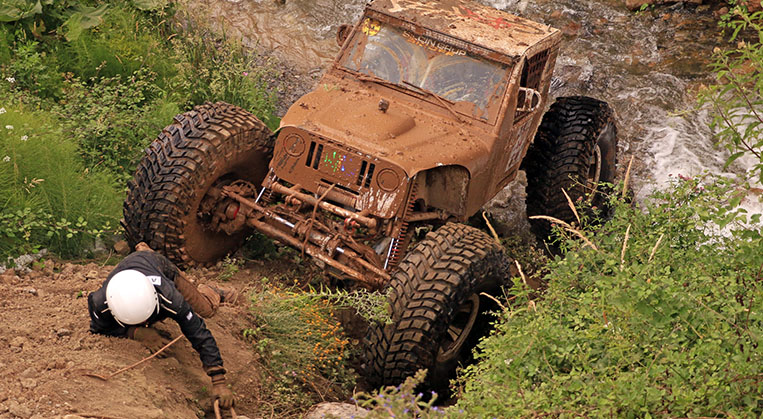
pixel 594 169
pixel 459 329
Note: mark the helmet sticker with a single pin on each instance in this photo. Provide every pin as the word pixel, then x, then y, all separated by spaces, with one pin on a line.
pixel 156 280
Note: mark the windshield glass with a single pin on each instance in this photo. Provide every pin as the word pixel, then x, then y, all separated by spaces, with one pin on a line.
pixel 473 84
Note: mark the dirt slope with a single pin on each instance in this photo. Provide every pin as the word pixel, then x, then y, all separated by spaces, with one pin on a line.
pixel 45 347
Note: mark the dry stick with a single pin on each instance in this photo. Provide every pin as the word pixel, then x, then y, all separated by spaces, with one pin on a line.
pixel 572 206
pixel 135 364
pixel 503 307
pixel 490 226
pixel 521 274
pixel 566 227
pixel 625 246
pixel 656 245
pixel 216 406
pixel 627 178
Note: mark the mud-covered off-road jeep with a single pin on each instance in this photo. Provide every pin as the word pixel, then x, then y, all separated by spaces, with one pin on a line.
pixel 428 111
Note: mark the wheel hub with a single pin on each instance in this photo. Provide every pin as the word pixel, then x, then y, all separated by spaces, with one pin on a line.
pixel 459 329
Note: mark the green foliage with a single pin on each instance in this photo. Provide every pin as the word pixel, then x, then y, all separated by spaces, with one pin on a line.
pixel 112 122
pixel 213 69
pixel 736 97
pixel 665 323
pixel 71 18
pixel 303 345
pixel 47 197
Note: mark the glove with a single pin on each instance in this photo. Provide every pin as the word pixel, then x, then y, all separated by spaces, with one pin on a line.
pixel 148 336
pixel 221 392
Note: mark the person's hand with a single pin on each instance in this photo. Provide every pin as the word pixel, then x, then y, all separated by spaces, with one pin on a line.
pixel 149 337
pixel 143 247
pixel 221 392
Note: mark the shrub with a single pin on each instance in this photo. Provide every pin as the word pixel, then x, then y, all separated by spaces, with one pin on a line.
pixel 112 122
pixel 736 96
pixel 661 316
pixel 47 197
pixel 303 345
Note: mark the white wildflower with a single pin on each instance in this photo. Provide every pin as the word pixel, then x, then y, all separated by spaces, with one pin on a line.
pixel 2 111
pixel 9 127
pixel 7 159
pixel 10 80
pixel 24 137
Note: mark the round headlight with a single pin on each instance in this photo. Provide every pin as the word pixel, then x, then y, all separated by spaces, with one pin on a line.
pixel 294 145
pixel 388 180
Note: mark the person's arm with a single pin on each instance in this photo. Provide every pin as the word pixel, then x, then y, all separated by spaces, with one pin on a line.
pixel 101 320
pixel 195 330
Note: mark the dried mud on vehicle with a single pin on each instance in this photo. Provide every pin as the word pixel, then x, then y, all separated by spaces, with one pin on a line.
pixel 429 110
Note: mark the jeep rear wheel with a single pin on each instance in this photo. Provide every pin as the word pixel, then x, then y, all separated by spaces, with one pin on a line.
pixel 436 307
pixel 575 150
pixel 212 145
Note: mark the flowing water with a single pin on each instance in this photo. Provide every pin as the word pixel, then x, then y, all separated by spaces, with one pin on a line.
pixel 648 66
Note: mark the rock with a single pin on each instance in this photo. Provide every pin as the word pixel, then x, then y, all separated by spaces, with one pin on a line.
pixel 19 410
pixel 556 14
pixel 28 373
pixel 335 410
pixel 8 273
pixel 49 265
pixel 30 290
pixel 28 383
pixel 18 342
pixel 93 274
pixel 572 29
pixel 122 248
pixel 77 417
pixel 636 4
pixel 63 332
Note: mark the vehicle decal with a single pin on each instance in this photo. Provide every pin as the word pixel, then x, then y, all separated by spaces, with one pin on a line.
pixel 432 44
pixel 371 27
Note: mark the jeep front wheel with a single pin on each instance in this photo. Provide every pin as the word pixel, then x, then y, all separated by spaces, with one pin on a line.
pixel 169 200
pixel 575 149
pixel 436 307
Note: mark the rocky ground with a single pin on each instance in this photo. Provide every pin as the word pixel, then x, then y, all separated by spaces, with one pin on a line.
pixel 46 350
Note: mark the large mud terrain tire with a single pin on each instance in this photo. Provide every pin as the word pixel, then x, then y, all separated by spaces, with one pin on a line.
pixel 575 148
pixel 436 308
pixel 211 144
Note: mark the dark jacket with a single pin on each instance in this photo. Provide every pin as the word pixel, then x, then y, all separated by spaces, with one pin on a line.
pixel 171 303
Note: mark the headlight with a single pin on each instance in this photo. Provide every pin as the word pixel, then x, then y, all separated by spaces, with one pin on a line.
pixel 388 180
pixel 294 145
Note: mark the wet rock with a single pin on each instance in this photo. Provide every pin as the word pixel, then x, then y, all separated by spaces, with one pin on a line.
pixel 335 410
pixel 122 248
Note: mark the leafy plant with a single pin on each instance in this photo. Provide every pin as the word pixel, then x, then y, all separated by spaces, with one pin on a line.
pixel 402 401
pixel 736 96
pixel 657 314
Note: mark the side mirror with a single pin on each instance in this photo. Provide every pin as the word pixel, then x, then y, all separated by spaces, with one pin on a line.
pixel 342 33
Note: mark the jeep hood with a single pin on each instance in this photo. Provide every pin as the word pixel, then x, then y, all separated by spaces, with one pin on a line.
pixel 408 134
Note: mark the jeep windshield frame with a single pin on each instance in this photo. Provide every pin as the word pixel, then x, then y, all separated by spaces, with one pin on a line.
pixel 474 85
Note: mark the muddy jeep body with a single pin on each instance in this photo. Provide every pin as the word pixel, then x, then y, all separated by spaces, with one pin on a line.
pixel 426 114
pixel 380 154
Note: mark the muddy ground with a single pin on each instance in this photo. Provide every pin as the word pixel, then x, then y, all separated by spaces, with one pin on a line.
pixel 45 348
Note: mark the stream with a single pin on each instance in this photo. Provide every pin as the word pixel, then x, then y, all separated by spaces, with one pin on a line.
pixel 648 66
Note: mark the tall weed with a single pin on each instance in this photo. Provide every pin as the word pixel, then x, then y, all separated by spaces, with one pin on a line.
pixel 47 196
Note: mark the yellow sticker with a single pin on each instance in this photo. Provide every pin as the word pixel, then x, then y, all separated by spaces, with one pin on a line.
pixel 371 27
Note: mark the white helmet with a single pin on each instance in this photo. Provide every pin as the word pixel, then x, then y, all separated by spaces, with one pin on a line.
pixel 131 297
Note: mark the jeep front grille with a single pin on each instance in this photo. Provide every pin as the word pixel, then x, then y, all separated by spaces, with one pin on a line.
pixel 340 164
